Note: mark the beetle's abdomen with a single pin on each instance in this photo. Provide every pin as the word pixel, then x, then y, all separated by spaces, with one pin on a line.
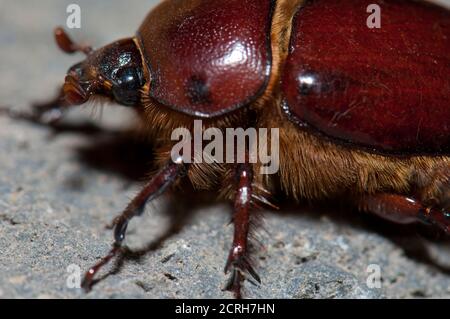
pixel 387 89
pixel 208 57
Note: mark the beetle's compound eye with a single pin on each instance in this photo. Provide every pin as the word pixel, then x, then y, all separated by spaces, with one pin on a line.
pixel 128 81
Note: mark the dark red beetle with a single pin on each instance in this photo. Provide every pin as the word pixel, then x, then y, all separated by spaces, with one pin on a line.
pixel 363 112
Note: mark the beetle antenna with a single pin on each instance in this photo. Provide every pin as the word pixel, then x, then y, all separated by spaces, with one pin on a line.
pixel 66 44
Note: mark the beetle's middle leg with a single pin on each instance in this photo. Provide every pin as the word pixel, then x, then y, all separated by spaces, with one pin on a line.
pixel 238 260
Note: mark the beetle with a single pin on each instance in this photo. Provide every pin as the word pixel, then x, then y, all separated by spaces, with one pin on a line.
pixel 363 112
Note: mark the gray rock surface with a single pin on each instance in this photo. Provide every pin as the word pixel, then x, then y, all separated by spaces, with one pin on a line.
pixel 57 193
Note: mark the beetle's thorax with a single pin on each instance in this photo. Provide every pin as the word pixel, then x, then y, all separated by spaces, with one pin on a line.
pixel 205 58
pixel 159 115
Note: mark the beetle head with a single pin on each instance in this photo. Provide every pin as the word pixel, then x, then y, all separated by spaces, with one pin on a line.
pixel 114 71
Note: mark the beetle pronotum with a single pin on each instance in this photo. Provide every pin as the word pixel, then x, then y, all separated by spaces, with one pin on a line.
pixel 363 112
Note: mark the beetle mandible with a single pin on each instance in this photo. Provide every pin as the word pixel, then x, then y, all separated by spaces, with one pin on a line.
pixel 363 113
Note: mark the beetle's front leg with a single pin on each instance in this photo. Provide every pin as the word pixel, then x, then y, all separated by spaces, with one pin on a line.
pixel 51 111
pixel 46 113
pixel 238 260
pixel 167 176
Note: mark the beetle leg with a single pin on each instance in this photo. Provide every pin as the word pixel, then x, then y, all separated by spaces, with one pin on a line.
pixel 406 210
pixel 156 187
pixel 238 262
